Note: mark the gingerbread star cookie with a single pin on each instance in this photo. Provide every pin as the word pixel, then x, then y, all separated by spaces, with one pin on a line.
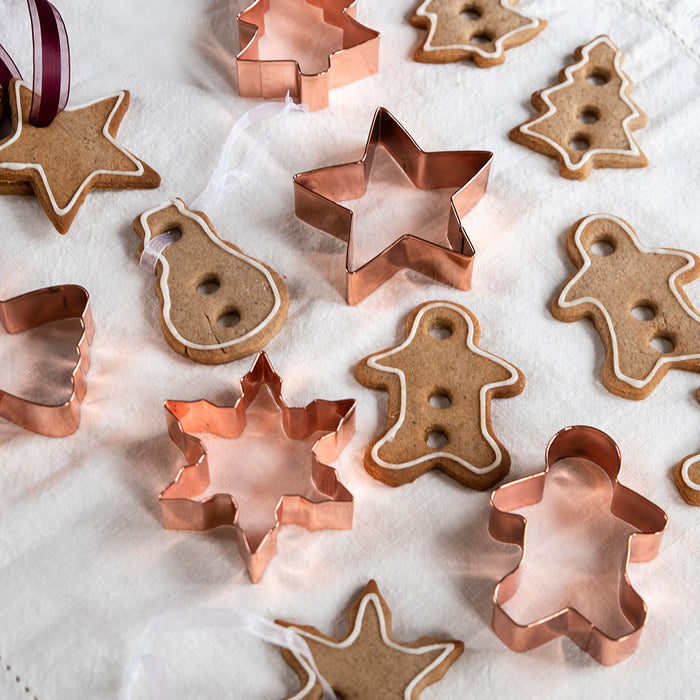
pixel 369 662
pixel 74 154
pixel 481 30
pixel 586 120
pixel 440 385
pixel 634 296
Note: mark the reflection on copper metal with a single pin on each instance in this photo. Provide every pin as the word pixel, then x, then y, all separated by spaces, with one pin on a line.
pixel 358 58
pixel 317 194
pixel 505 526
pixel 181 510
pixel 34 309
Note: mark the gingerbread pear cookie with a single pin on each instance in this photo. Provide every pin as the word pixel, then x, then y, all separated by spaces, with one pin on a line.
pixel 77 152
pixel 481 30
pixel 440 386
pixel 369 662
pixel 587 119
pixel 217 303
pixel 687 476
pixel 634 296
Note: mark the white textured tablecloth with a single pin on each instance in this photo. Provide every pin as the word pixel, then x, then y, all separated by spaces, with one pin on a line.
pixel 85 563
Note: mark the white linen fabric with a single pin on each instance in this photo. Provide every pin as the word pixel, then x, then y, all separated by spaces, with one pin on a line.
pixel 85 563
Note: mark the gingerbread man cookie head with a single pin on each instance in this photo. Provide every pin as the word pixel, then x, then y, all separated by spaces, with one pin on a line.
pixel 217 303
pixel 634 297
pixel 440 386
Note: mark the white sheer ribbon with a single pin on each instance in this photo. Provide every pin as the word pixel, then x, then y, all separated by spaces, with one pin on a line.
pixel 154 667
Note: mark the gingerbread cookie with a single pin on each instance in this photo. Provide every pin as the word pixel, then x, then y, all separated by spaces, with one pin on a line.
pixel 634 296
pixel 440 386
pixel 217 303
pixel 687 476
pixel 481 30
pixel 369 662
pixel 74 154
pixel 587 119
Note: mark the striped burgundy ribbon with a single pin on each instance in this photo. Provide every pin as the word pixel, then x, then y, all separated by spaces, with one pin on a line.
pixel 51 80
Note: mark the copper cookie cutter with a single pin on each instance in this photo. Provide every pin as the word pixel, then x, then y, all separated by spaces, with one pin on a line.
pixel 181 512
pixel 317 194
pixel 504 526
pixel 358 58
pixel 35 309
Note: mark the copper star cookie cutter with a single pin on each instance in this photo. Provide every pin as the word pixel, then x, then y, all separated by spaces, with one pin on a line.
pixel 358 58
pixel 504 526
pixel 181 512
pixel 317 194
pixel 35 309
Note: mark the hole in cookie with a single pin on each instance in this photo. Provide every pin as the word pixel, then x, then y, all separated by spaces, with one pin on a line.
pixel 229 319
pixel 440 331
pixel 662 344
pixel 471 12
pixel 643 312
pixel 436 439
pixel 602 248
pixel 579 143
pixel 440 400
pixel 208 286
pixel 588 115
pixel 598 77
pixel 481 38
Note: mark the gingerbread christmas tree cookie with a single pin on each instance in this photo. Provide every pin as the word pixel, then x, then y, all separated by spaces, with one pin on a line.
pixel 481 30
pixel 368 662
pixel 586 121
pixel 634 296
pixel 440 385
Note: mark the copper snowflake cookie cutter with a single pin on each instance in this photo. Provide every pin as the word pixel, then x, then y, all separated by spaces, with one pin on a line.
pixel 181 512
pixel 317 194
pixel 358 58
pixel 37 308
pixel 594 445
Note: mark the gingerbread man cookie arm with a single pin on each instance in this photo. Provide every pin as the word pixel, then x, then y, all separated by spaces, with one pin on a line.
pixel 148 235
pixel 514 377
pixel 566 300
pixel 636 118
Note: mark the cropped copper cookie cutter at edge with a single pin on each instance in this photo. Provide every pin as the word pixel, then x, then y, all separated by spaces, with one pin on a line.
pixel 594 445
pixel 317 194
pixel 37 308
pixel 358 58
pixel 335 418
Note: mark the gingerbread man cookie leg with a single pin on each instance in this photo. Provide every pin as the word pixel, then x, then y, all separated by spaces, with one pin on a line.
pixel 440 386
pixel 217 303
pixel 687 476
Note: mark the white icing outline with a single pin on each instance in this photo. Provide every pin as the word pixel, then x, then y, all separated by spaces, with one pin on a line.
pixel 685 472
pixel 143 219
pixel 447 647
pixel 497 44
pixel 561 301
pixel 61 211
pixel 634 149
pixel 391 433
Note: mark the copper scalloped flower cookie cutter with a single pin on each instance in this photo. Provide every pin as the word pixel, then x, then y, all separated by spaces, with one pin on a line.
pixel 181 512
pixel 594 445
pixel 34 309
pixel 358 58
pixel 317 194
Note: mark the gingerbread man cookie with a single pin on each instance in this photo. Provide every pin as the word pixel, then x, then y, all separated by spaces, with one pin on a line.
pixel 687 476
pixel 440 386
pixel 369 662
pixel 77 152
pixel 481 30
pixel 587 119
pixel 634 296
pixel 217 303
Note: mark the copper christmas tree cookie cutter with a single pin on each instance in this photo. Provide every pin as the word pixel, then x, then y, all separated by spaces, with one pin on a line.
pixel 181 511
pixel 37 308
pixel 594 445
pixel 358 58
pixel 317 194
